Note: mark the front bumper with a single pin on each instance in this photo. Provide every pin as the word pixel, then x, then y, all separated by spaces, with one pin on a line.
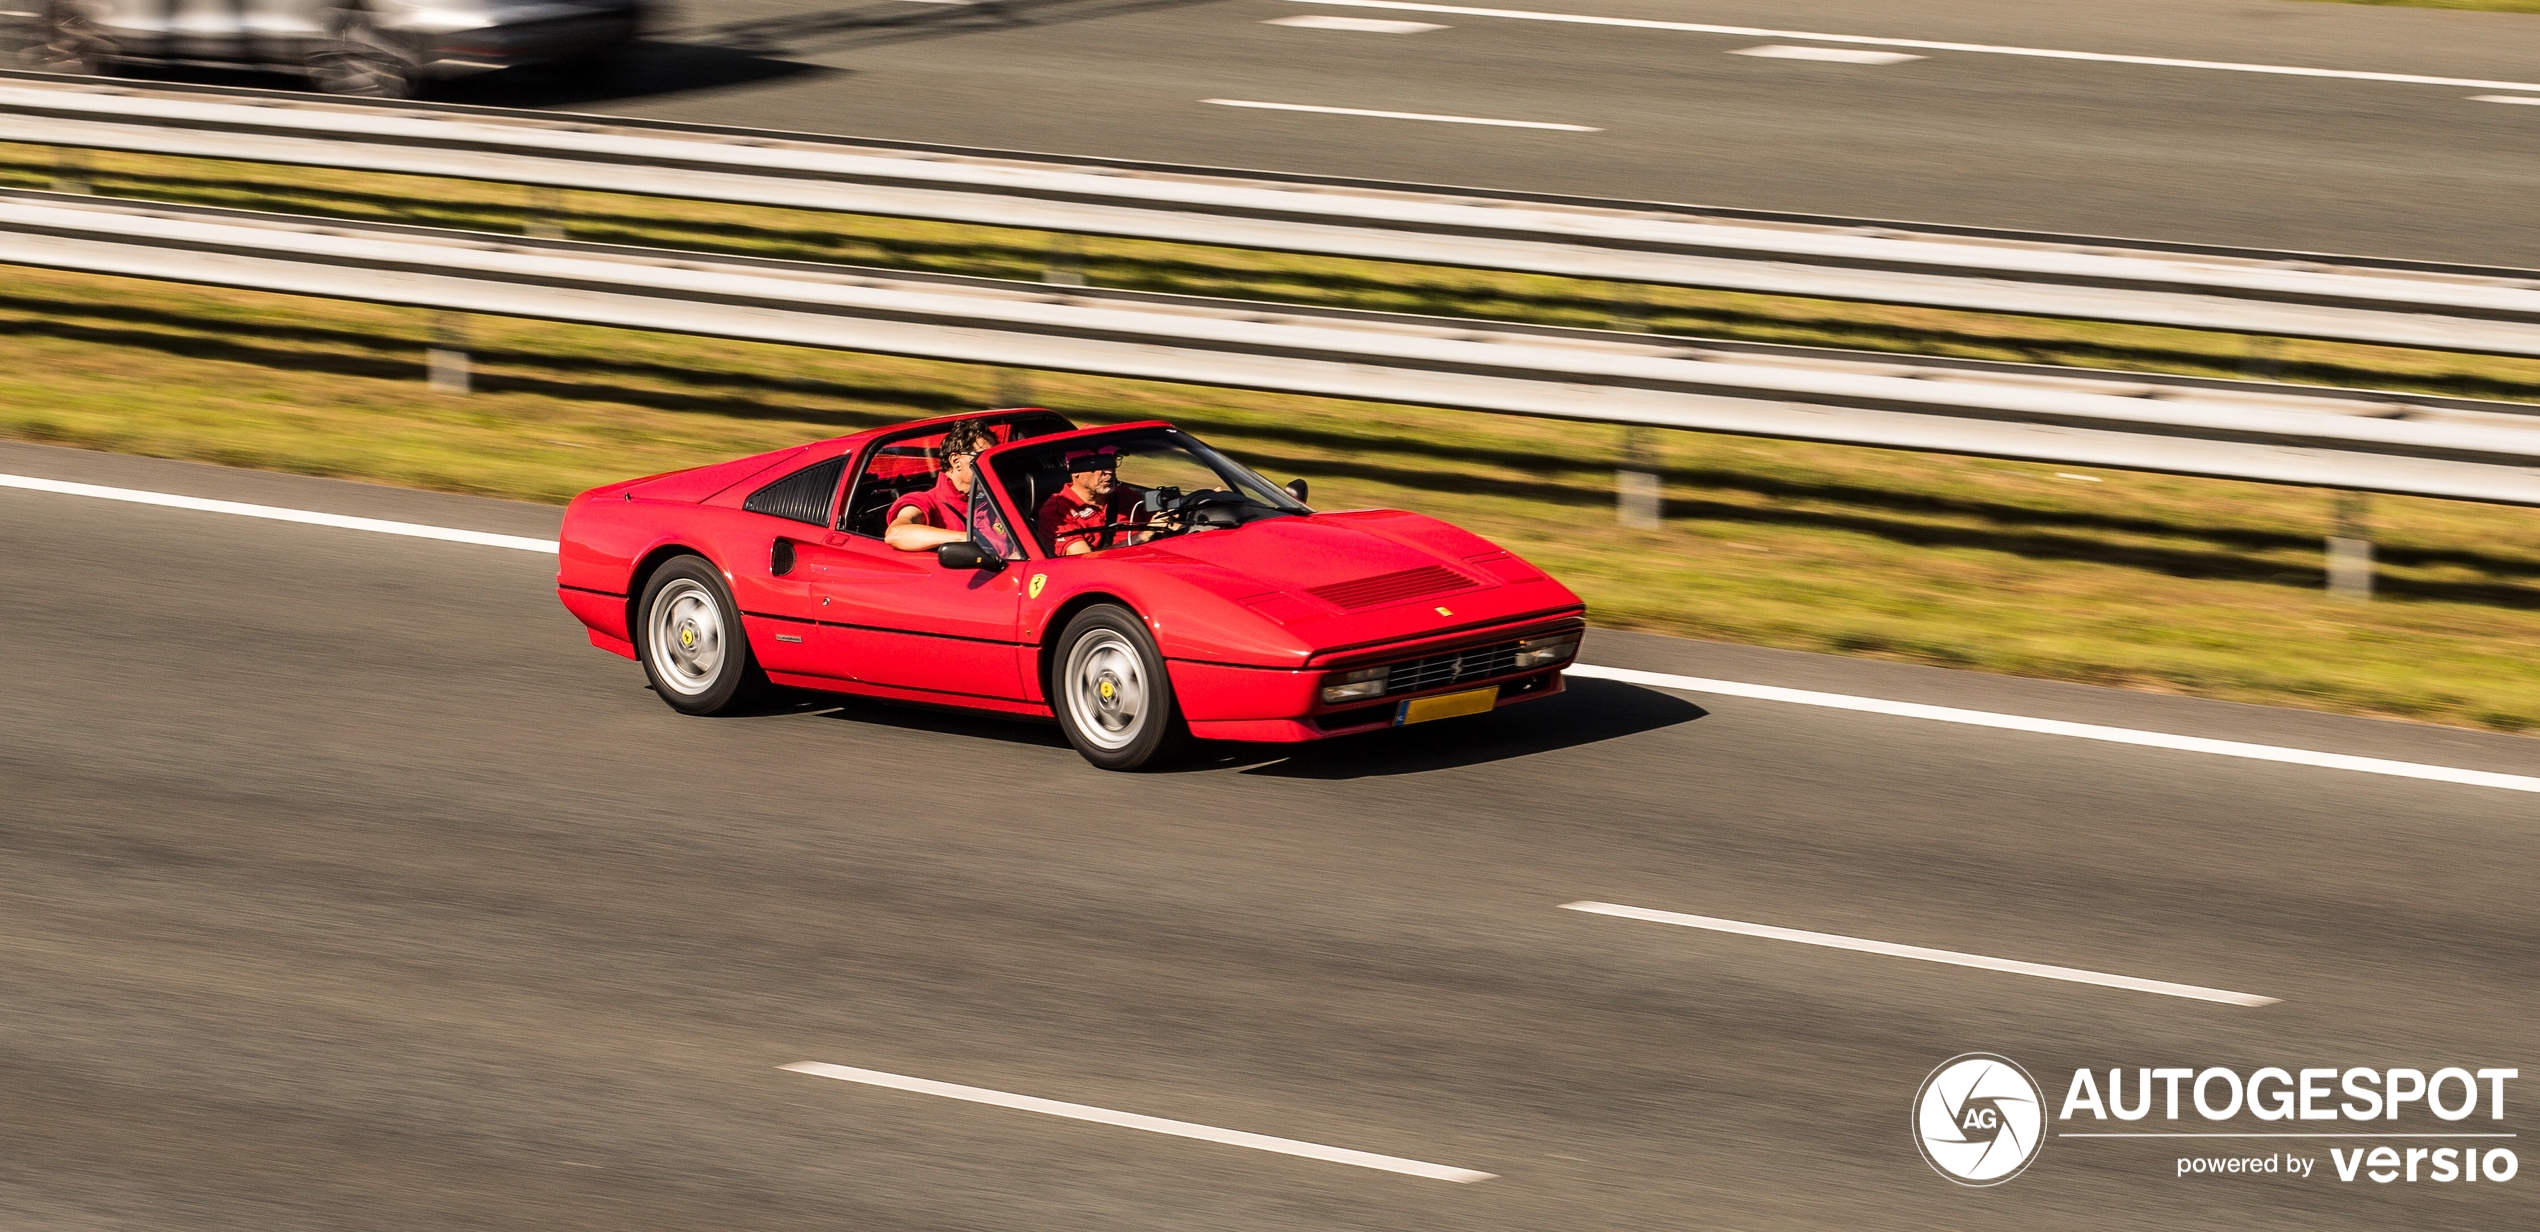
pixel 1274 705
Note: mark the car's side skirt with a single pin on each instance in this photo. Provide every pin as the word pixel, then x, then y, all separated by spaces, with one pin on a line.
pixel 930 697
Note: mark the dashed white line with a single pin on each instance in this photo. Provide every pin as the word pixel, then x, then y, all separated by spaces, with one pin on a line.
pixel 2527 100
pixel 1398 115
pixel 375 525
pixel 1131 1120
pixel 1584 671
pixel 2099 57
pixel 1363 25
pixel 2058 727
pixel 1952 957
pixel 1836 55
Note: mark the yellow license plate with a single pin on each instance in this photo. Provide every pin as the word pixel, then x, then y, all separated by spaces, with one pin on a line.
pixel 1446 706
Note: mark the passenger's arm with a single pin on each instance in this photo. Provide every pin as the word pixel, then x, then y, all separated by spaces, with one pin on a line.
pixel 907 533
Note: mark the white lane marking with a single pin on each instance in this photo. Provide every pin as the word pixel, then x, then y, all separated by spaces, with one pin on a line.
pixel 1399 115
pixel 2079 478
pixel 269 512
pixel 1624 675
pixel 2099 57
pixel 1131 1120
pixel 2527 100
pixel 1951 957
pixel 1363 25
pixel 1837 55
pixel 2058 727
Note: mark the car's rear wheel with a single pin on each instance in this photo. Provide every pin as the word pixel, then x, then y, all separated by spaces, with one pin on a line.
pixel 688 635
pixel 1112 696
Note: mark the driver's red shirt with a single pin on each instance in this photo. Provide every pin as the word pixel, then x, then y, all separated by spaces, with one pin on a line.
pixel 1066 519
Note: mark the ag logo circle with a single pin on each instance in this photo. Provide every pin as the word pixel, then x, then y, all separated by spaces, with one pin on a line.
pixel 1978 1119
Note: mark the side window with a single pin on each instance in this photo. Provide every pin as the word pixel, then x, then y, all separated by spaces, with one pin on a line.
pixel 987 524
pixel 802 496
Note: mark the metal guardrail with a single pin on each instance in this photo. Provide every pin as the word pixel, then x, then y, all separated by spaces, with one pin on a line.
pixel 2397 303
pixel 2282 434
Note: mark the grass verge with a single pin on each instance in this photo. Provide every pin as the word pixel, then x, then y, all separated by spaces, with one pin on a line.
pixel 2183 585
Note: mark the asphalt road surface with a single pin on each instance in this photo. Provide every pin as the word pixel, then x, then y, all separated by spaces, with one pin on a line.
pixel 342 885
pixel 1982 138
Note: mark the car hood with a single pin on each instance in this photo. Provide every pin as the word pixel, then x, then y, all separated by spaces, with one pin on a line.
pixel 1335 580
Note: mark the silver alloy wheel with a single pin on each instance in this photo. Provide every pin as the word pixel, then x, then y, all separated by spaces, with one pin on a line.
pixel 1106 688
pixel 683 634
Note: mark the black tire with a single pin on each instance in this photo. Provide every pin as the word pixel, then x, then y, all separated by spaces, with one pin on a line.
pixel 1110 691
pixel 360 60
pixel 689 638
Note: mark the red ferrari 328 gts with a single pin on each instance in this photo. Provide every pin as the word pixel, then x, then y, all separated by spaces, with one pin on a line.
pixel 1203 600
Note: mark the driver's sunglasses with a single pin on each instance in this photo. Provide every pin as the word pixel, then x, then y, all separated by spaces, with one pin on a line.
pixel 961 461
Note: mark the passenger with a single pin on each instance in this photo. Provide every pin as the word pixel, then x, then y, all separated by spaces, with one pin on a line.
pixel 924 521
pixel 1095 510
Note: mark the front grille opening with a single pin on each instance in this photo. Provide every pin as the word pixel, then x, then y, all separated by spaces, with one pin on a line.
pixel 1439 671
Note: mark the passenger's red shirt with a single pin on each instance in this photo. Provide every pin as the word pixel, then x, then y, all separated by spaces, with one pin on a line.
pixel 1065 519
pixel 940 506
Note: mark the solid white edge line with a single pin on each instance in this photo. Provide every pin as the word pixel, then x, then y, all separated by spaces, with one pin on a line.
pixel 1131 1120
pixel 197 504
pixel 2100 57
pixel 1951 957
pixel 1825 55
pixel 1621 675
pixel 1398 115
pixel 2058 727
pixel 1356 25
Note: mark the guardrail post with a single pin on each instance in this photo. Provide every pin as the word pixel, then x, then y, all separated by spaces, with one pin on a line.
pixel 1067 262
pixel 1637 504
pixel 74 173
pixel 1014 387
pixel 445 362
pixel 545 219
pixel 2349 550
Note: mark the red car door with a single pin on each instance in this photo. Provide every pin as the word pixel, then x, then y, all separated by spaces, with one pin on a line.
pixel 898 618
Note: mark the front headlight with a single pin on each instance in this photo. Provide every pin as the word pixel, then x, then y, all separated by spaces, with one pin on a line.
pixel 1545 651
pixel 1365 682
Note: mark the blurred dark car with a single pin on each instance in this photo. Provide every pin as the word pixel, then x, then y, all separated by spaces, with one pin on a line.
pixel 379 48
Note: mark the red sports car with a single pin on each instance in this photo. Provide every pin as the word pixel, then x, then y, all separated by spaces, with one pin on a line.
pixel 1134 583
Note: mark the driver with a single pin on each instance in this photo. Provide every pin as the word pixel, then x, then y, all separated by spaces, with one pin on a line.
pixel 923 521
pixel 1095 510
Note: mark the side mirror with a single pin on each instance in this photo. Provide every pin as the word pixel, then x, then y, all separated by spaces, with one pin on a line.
pixel 1296 488
pixel 968 555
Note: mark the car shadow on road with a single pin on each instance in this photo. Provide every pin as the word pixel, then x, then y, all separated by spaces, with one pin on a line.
pixel 1586 712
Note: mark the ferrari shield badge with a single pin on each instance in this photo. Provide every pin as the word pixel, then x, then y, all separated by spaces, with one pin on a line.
pixel 1039 580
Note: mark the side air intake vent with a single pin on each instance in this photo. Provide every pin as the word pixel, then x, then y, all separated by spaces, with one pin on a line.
pixel 1387 588
pixel 802 496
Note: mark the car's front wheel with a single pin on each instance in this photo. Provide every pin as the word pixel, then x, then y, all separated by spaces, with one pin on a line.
pixel 688 635
pixel 69 43
pixel 1109 688
pixel 359 59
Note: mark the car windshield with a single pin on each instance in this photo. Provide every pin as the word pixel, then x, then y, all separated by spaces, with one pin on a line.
pixel 1188 486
